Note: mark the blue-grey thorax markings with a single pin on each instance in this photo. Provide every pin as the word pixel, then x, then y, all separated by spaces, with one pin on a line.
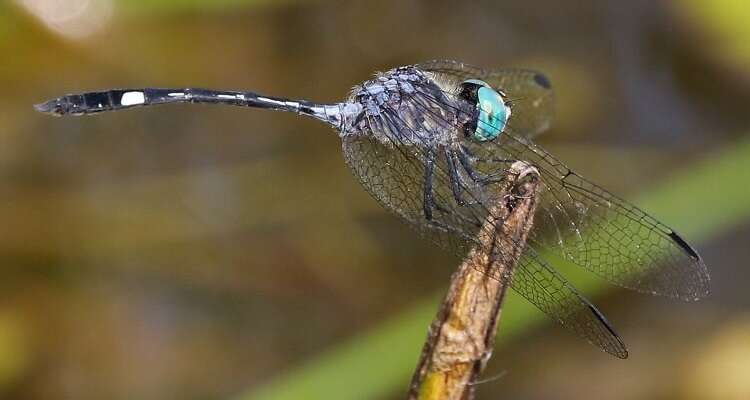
pixel 405 108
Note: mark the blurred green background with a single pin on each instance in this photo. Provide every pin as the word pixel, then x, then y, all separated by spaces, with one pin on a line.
pixel 198 252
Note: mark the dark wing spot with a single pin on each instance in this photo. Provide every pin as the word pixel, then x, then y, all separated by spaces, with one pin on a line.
pixel 685 246
pixel 622 352
pixel 542 81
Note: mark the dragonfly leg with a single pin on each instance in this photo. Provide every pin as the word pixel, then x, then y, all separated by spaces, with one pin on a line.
pixel 463 158
pixel 466 158
pixel 428 201
pixel 456 184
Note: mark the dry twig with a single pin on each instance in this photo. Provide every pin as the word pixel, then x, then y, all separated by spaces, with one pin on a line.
pixel 461 338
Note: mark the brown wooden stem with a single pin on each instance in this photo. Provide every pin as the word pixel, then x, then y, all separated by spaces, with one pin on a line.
pixel 461 338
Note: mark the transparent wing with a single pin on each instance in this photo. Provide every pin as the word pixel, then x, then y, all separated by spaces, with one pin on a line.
pixel 603 233
pixel 394 173
pixel 594 228
pixel 544 287
pixel 530 92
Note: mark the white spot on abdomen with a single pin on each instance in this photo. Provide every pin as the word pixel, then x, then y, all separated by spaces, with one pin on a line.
pixel 132 98
pixel 266 99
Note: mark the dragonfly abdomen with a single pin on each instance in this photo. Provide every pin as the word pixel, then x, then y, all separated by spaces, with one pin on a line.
pixel 118 99
pixel 94 102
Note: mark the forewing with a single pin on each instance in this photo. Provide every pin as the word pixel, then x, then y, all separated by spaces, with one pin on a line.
pixel 529 92
pixel 595 229
pixel 393 172
pixel 603 233
pixel 549 291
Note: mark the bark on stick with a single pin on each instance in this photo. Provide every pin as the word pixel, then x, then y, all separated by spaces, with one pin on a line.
pixel 461 338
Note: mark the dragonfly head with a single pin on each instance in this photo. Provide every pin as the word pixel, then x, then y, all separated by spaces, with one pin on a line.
pixel 491 111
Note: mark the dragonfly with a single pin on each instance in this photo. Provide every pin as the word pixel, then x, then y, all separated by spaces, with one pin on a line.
pixel 431 141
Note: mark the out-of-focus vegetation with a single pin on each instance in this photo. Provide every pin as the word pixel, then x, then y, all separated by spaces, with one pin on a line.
pixel 199 252
pixel 725 23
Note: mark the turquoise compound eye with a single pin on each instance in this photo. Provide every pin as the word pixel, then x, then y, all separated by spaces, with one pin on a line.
pixel 493 114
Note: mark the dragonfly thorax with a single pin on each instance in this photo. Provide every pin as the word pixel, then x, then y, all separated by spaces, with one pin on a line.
pixel 405 106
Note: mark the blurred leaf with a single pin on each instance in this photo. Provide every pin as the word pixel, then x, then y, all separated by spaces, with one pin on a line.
pixel 379 363
pixel 726 23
